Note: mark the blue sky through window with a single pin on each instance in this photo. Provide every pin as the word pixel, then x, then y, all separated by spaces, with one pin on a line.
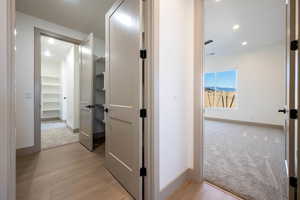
pixel 209 80
pixel 226 80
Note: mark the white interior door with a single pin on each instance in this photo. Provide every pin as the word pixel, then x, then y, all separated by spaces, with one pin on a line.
pixel 123 129
pixel 86 93
pixel 290 123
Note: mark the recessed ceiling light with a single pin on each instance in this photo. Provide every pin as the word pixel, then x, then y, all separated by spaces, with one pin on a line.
pixel 236 27
pixel 51 41
pixel 16 32
pixel 244 43
pixel 218 0
pixel 47 53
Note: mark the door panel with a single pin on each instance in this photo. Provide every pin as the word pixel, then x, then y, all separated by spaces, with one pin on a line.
pixel 123 132
pixel 86 93
pixel 290 125
pixel 291 72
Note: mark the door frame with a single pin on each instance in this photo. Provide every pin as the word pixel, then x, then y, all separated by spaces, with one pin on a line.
pixel 7 101
pixel 8 144
pixel 38 33
pixel 197 172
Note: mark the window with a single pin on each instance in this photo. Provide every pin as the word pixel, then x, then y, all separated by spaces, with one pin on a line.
pixel 221 89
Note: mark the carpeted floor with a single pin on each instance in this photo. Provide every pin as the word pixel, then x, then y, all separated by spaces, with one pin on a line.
pixel 56 133
pixel 247 160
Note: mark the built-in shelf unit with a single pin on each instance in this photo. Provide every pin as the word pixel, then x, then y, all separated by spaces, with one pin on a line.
pixel 99 98
pixel 50 96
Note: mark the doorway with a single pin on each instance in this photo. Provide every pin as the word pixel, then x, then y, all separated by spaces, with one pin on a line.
pixel 82 91
pixel 245 75
pixel 59 92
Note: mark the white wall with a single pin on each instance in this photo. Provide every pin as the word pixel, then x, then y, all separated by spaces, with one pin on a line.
pixel 64 74
pixel 261 81
pixel 25 71
pixel 76 85
pixel 70 68
pixel 175 89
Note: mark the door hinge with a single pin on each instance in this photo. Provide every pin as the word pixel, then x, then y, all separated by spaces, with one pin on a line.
pixel 294 45
pixel 143 53
pixel 143 171
pixel 293 182
pixel 293 114
pixel 143 113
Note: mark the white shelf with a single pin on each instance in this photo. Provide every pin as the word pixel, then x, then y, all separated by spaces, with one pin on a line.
pixel 50 109
pixel 49 76
pixel 51 84
pixel 51 101
pixel 58 93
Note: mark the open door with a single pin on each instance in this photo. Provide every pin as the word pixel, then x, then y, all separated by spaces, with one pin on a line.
pixel 290 110
pixel 86 93
pixel 124 96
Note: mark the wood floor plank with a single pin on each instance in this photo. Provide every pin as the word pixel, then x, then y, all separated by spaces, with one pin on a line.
pixel 68 172
pixel 204 191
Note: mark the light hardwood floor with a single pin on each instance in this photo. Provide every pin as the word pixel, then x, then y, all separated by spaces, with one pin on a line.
pixel 204 191
pixel 68 172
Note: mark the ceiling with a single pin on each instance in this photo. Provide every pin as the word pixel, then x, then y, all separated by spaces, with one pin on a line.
pixel 54 50
pixel 262 22
pixel 86 16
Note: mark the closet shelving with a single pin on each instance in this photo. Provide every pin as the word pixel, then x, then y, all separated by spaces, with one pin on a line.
pixel 50 96
pixel 99 98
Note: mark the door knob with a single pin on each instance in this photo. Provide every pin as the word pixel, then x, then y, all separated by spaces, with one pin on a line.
pixel 284 111
pixel 90 106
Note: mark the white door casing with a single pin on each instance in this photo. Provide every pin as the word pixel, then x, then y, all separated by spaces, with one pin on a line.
pixel 123 98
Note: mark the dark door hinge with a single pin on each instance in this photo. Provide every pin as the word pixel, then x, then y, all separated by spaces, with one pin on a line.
pixel 143 113
pixel 143 171
pixel 143 54
pixel 293 182
pixel 294 45
pixel 293 114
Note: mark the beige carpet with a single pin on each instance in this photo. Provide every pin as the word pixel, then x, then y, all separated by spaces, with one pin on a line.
pixel 56 133
pixel 247 160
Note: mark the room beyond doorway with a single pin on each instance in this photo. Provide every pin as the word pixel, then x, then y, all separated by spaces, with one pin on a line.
pixel 59 92
pixel 245 135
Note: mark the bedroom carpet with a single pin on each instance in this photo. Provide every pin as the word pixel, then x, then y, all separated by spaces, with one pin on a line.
pixel 56 133
pixel 246 160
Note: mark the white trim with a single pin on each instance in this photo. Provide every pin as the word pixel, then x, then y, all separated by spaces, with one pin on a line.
pixel 7 101
pixel 197 172
pixel 152 45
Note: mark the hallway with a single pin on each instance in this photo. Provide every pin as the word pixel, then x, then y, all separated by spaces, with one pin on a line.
pixel 68 172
